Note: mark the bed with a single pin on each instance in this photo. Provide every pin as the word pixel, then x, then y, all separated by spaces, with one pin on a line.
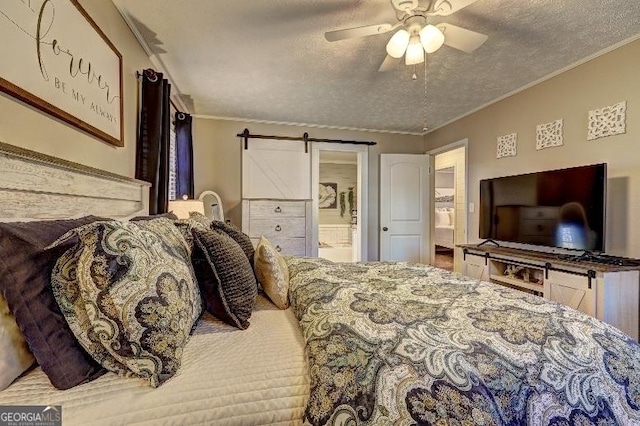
pixel 222 380
pixel 362 343
pixel 444 228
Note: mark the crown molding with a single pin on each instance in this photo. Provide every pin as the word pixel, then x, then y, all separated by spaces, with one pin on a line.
pixel 543 79
pixel 157 62
pixel 314 126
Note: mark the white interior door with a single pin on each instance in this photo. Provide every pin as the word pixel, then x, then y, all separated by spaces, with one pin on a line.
pixel 405 207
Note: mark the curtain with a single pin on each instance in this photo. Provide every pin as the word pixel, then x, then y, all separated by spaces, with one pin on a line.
pixel 184 156
pixel 152 148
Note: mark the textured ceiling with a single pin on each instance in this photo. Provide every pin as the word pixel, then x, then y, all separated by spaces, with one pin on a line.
pixel 269 60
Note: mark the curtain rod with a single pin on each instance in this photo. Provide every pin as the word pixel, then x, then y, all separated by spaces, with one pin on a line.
pixel 305 138
pixel 139 74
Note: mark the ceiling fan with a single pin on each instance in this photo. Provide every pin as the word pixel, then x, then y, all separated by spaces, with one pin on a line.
pixel 414 36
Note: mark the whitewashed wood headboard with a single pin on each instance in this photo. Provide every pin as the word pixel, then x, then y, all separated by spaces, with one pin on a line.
pixel 38 186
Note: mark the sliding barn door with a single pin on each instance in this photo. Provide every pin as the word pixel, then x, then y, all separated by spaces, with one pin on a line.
pixel 276 170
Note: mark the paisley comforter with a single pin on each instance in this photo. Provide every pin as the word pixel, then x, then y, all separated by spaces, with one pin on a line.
pixel 395 343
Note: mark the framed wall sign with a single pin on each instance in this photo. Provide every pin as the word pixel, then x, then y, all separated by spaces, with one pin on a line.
pixel 55 58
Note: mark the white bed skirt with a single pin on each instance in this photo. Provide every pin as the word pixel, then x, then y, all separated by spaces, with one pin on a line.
pixel 444 236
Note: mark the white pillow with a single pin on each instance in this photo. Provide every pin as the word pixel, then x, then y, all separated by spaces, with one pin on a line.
pixel 442 218
pixel 15 357
pixel 452 217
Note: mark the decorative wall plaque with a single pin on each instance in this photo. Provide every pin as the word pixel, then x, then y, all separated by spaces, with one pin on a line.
pixel 328 196
pixel 607 121
pixel 549 135
pixel 506 145
pixel 55 58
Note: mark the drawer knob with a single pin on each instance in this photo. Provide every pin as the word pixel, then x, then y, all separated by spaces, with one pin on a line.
pixel 278 248
pixel 277 209
pixel 278 228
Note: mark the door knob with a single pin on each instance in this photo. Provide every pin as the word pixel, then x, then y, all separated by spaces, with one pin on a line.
pixel 385 229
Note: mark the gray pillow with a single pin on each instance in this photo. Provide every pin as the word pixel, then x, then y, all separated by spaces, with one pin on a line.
pixel 225 277
pixel 168 215
pixel 128 292
pixel 238 236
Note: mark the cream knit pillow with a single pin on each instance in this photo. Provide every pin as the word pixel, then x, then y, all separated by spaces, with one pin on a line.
pixel 272 273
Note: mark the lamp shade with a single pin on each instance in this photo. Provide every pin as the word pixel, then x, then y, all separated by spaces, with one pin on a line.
pixel 181 208
pixel 398 44
pixel 415 52
pixel 431 38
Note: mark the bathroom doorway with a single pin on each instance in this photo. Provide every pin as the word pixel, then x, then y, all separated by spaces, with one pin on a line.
pixel 339 201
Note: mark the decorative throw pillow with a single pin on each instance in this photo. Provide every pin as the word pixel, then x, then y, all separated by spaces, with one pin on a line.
pixel 225 277
pixel 128 292
pixel 452 217
pixel 168 215
pixel 272 273
pixel 25 274
pixel 15 357
pixel 238 236
pixel 199 217
pixel 442 218
pixel 186 226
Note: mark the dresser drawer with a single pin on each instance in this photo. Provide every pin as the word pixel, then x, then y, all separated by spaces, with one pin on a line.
pixel 276 208
pixel 290 246
pixel 540 213
pixel 285 223
pixel 538 227
pixel 285 227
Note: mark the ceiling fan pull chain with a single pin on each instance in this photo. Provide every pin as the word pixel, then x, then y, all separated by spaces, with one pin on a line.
pixel 425 127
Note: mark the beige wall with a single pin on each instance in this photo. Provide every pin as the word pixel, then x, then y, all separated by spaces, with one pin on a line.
pixel 606 80
pixel 29 128
pixel 217 164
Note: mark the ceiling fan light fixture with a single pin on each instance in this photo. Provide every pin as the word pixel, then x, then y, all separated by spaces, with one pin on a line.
pixel 431 38
pixel 397 45
pixel 415 52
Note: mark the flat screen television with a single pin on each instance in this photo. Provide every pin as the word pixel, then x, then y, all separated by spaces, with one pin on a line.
pixel 556 208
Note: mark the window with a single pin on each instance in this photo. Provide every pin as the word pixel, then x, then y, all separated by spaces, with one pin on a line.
pixel 172 161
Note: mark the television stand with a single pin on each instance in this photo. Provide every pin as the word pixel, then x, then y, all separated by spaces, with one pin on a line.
pixel 489 241
pixel 605 259
pixel 605 287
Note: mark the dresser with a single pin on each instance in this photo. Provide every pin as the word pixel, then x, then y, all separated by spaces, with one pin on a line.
pixel 531 225
pixel 285 223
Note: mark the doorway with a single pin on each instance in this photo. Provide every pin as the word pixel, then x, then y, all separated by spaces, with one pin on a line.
pixel 444 218
pixel 339 185
pixel 450 213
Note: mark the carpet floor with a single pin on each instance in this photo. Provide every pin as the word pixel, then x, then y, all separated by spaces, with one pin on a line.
pixel 444 259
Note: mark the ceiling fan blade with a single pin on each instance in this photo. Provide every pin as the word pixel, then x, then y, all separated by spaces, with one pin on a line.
pixel 368 30
pixel 447 7
pixel 390 63
pixel 461 38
